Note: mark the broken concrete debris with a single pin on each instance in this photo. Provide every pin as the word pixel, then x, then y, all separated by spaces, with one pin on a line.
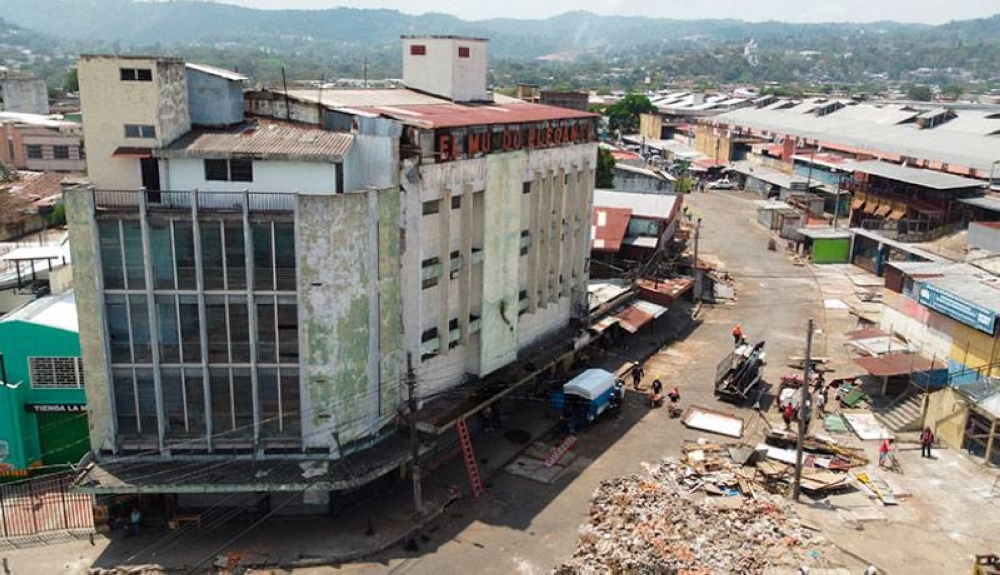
pixel 663 522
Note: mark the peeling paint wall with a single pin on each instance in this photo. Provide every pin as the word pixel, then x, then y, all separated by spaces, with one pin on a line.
pixel 86 279
pixel 347 276
pixel 214 101
pixel 501 251
pixel 174 116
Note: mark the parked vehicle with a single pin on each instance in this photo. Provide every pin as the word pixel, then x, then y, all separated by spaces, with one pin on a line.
pixel 723 184
pixel 585 397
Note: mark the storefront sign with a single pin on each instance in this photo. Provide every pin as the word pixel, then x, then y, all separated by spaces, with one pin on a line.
pixel 471 142
pixel 55 408
pixel 957 308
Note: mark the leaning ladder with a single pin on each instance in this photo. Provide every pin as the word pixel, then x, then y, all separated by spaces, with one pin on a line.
pixel 471 465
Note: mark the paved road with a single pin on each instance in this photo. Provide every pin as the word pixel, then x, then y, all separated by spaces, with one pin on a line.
pixel 530 527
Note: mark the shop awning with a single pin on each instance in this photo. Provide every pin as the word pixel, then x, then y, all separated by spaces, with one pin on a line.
pixel 895 364
pixel 858 203
pixel 132 152
pixel 883 210
pixel 633 317
pixel 897 214
pixel 870 207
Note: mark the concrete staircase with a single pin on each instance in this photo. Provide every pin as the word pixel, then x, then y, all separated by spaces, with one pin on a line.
pixel 903 414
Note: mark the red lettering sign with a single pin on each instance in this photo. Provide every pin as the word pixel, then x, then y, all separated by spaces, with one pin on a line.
pixel 444 145
pixel 474 146
pixel 575 132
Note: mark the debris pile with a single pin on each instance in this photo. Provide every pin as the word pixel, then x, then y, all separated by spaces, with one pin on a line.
pixel 665 523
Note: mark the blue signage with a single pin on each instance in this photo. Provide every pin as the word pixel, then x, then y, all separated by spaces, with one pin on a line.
pixel 958 309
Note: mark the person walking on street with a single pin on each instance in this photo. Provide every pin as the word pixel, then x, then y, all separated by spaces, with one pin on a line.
pixel 134 518
pixel 637 373
pixel 788 414
pixel 883 451
pixel 821 403
pixel 737 334
pixel 926 440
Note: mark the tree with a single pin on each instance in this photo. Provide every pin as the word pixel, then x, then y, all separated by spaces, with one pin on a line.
pixel 952 91
pixel 71 83
pixel 605 178
pixel 7 173
pixel 624 114
pixel 919 93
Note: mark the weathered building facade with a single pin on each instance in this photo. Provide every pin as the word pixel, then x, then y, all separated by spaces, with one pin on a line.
pixel 268 295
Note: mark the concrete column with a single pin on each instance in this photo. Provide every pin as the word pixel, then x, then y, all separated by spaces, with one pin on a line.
pixel 558 216
pixel 444 284
pixel 374 310
pixel 569 237
pixel 154 324
pixel 545 238
pixel 202 323
pixel 465 272
pixel 534 224
pixel 251 315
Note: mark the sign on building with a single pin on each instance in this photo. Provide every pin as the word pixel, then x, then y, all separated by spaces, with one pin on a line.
pixel 957 308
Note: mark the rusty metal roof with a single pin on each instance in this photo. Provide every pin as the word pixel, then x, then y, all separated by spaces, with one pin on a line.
pixel 895 364
pixel 608 229
pixel 262 138
pixel 452 115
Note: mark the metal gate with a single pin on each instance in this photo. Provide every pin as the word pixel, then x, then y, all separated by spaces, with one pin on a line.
pixel 42 505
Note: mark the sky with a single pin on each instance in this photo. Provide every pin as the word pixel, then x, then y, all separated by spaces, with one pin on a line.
pixel 926 11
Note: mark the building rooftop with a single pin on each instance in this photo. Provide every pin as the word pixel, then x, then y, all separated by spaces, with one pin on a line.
pixel 55 311
pixel 972 139
pixel 917 176
pixel 643 205
pixel 773 177
pixel 262 138
pixel 981 289
pixel 46 121
pixel 608 229
pixel 824 233
pixel 989 202
pixel 336 98
pixel 220 72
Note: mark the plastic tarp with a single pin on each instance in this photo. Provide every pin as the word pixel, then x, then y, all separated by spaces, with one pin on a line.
pixel 590 384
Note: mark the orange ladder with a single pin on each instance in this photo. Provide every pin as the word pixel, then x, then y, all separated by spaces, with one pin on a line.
pixel 471 465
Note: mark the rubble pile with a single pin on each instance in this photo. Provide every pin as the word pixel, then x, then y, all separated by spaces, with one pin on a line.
pixel 664 523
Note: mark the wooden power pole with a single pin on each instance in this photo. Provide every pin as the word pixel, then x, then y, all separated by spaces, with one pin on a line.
pixel 697 268
pixel 411 386
pixel 803 402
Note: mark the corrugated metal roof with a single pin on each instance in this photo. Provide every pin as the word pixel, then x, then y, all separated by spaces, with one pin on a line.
pixel 56 311
pixel 220 72
pixel 608 228
pixel 983 289
pixel 896 364
pixel 266 138
pixel 916 176
pixel 658 205
pixel 824 233
pixel 336 98
pixel 941 143
pixel 989 202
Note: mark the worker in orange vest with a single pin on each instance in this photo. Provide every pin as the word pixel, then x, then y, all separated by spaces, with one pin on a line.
pixel 737 334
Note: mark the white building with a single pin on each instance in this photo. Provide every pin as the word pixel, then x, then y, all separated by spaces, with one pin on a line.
pixel 267 290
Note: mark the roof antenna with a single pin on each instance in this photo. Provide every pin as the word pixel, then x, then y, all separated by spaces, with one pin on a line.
pixel 284 84
pixel 365 72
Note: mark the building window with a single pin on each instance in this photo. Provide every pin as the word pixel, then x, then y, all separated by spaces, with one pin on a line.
pixel 431 207
pixel 418 50
pixel 33 151
pixel 135 74
pixel 229 170
pixel 60 152
pixel 56 372
pixel 463 51
pixel 139 131
pixel 526 188
pixel 456 202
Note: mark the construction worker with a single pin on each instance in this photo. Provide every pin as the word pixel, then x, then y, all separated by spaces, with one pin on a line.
pixel 737 334
pixel 788 414
pixel 926 441
pixel 637 374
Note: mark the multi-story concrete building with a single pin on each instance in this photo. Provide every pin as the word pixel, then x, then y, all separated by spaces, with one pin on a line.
pixel 41 143
pixel 267 290
pixel 20 92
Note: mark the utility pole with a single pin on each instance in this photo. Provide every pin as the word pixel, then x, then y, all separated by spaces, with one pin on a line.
pixel 797 486
pixel 697 269
pixel 411 386
pixel 836 202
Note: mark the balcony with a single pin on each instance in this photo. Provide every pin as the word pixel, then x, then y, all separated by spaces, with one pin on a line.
pixel 181 200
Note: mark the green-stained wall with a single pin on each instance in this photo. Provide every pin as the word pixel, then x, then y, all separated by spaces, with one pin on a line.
pixel 86 275
pixel 501 257
pixel 349 286
pixel 831 251
pixel 20 430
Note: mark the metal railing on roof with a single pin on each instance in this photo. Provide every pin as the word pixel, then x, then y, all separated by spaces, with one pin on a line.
pixel 214 201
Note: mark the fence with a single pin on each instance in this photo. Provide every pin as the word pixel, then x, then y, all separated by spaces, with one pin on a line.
pixel 44 505
pixel 128 200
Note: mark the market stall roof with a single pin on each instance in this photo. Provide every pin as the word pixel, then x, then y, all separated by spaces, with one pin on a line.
pixel 916 176
pixel 895 364
pixel 824 233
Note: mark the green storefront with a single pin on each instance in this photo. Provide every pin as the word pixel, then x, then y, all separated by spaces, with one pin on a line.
pixel 43 418
pixel 826 245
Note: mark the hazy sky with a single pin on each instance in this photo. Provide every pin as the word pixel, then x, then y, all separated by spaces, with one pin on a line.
pixel 930 11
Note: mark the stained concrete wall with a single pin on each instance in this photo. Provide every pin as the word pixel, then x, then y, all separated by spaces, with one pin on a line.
pixel 501 252
pixel 348 286
pixel 213 100
pixel 268 176
pixel 947 411
pixel 90 314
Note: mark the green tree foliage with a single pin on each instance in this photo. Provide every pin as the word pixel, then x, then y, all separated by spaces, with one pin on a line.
pixel 920 93
pixel 7 173
pixel 624 114
pixel 605 178
pixel 953 91
pixel 71 83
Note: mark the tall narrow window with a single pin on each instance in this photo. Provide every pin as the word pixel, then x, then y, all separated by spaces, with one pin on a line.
pixel 236 263
pixel 284 255
pixel 211 255
pixel 112 266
